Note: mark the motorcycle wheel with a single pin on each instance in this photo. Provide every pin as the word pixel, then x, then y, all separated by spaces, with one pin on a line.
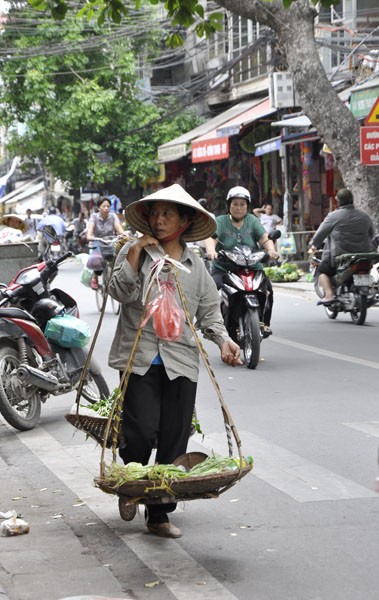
pixel 22 413
pixel 252 339
pixel 359 312
pixel 95 388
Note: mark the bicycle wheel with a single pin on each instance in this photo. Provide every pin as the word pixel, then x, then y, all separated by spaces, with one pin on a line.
pixel 115 306
pixel 99 296
pixel 106 277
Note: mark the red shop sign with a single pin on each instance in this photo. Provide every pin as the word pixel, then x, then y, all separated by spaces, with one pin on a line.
pixel 369 145
pixel 208 150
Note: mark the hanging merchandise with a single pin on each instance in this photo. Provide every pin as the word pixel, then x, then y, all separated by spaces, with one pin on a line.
pixel 168 317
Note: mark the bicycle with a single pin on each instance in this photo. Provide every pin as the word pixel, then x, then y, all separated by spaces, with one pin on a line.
pixel 106 247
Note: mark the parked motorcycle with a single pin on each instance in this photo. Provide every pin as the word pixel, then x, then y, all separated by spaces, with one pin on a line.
pixel 244 299
pixel 42 343
pixel 354 285
pixel 76 242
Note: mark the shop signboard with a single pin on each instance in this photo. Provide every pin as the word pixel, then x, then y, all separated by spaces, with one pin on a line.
pixel 170 153
pixel 369 145
pixel 208 150
pixel 362 100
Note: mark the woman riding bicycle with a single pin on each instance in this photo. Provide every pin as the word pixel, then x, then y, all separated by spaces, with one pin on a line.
pixel 102 224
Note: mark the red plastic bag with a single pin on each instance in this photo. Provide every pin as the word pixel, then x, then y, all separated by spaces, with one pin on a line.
pixel 168 317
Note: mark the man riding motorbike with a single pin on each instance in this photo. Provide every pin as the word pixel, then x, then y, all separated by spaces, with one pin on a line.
pixel 240 228
pixel 346 230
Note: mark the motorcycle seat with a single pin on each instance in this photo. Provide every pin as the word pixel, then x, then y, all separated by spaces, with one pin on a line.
pixel 357 256
pixel 16 313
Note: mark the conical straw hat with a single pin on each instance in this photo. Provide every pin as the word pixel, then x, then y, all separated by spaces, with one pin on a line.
pixel 203 224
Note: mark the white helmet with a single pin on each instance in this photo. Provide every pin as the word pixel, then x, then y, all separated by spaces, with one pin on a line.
pixel 238 192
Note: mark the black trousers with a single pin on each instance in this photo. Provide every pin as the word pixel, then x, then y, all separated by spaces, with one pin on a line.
pixel 157 411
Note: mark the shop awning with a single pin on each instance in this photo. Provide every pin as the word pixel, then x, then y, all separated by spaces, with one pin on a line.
pixel 296 122
pixel 214 144
pixel 25 189
pixel 259 110
pixel 32 197
pixel 268 146
pixel 301 136
pixel 180 146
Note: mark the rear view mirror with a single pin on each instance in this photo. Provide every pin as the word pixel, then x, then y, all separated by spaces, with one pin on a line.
pixel 49 234
pixel 275 234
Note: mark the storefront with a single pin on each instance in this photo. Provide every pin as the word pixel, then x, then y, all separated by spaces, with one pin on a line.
pixel 209 159
pixel 222 157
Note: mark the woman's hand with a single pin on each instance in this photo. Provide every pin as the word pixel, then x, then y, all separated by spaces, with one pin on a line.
pixel 136 248
pixel 230 353
pixel 273 254
pixel 212 255
pixel 145 240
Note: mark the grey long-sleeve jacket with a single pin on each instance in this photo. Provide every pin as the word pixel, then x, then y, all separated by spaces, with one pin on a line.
pixel 346 230
pixel 180 358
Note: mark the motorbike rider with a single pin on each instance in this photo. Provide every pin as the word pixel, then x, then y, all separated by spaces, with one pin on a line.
pixel 346 230
pixel 241 228
pixel 54 219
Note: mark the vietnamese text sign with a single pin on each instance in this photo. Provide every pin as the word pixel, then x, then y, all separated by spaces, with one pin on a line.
pixel 369 145
pixel 208 150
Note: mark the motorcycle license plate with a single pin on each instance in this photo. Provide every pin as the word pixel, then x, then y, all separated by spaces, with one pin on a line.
pixel 56 248
pixel 363 280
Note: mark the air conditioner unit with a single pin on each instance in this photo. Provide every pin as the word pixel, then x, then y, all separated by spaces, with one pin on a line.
pixel 281 90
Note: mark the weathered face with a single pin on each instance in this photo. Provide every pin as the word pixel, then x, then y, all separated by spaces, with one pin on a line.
pixel 164 219
pixel 15 223
pixel 238 208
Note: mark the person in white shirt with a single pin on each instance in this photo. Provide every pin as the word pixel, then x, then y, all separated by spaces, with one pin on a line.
pixel 267 218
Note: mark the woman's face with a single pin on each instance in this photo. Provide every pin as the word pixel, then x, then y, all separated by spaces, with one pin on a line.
pixel 164 219
pixel 238 208
pixel 104 208
pixel 14 223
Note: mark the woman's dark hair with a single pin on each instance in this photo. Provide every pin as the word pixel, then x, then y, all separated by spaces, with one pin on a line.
pixel 101 200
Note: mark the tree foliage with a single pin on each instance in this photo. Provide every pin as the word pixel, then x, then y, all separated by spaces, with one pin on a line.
pixel 293 22
pixel 71 97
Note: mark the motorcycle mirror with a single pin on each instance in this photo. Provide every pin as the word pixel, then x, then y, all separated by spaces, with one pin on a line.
pixel 275 234
pixel 49 234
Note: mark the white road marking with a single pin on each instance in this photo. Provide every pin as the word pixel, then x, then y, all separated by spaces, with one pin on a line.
pixel 368 427
pixel 76 467
pixel 326 353
pixel 301 479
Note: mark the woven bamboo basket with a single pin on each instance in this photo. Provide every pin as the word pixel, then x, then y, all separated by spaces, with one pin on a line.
pixel 95 427
pixel 144 491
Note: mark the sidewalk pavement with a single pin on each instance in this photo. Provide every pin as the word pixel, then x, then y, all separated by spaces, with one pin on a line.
pixel 22 557
pixel 295 286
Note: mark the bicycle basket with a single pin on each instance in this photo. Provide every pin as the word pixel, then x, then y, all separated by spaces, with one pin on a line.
pixel 107 252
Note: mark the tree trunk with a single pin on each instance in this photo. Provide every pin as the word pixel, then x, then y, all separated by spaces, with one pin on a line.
pixel 332 119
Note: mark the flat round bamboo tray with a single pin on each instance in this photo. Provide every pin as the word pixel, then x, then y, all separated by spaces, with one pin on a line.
pixel 188 488
pixel 95 427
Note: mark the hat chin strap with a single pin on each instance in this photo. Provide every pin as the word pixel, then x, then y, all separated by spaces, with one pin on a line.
pixel 175 235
